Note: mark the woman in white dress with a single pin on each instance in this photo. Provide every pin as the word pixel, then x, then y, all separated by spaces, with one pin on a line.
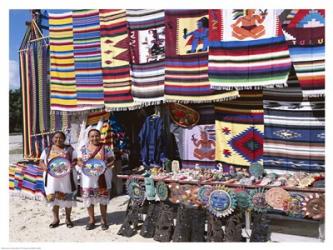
pixel 60 191
pixel 96 189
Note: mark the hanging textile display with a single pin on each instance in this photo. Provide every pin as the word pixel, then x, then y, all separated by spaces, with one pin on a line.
pixel 305 33
pixel 240 130
pixel 186 63
pixel 115 60
pixel 87 59
pixel 294 129
pixel 34 64
pixel 196 146
pixel 147 51
pixel 62 72
pixel 246 49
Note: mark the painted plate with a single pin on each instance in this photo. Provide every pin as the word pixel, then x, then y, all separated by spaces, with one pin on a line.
pixel 183 116
pixel 276 197
pixel 59 167
pixel 94 167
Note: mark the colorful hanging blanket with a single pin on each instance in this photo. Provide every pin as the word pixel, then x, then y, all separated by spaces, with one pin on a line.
pixel 62 71
pixel 196 145
pixel 294 130
pixel 87 58
pixel 240 130
pixel 246 50
pixel 186 63
pixel 147 49
pixel 306 40
pixel 26 96
pixel 115 60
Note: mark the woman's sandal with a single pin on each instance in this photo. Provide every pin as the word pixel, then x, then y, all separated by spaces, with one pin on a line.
pixel 69 224
pixel 54 225
pixel 90 226
pixel 104 227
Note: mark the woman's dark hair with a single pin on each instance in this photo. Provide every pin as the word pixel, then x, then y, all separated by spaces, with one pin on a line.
pixel 99 132
pixel 61 133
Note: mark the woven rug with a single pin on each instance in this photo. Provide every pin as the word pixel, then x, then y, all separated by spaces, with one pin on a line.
pixel 62 73
pixel 186 63
pixel 196 145
pixel 306 40
pixel 147 49
pixel 244 56
pixel 240 130
pixel 115 60
pixel 294 129
pixel 87 59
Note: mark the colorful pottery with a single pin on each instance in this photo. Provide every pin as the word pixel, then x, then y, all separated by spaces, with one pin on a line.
pixel 204 193
pixel 162 190
pixel 183 116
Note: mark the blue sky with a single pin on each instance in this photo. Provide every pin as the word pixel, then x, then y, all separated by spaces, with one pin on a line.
pixel 17 28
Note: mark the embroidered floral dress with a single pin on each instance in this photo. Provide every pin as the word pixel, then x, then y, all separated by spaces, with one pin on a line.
pixel 91 191
pixel 59 191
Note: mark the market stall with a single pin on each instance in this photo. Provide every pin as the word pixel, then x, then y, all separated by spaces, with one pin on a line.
pixel 216 117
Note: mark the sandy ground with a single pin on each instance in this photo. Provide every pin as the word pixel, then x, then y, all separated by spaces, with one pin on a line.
pixel 29 221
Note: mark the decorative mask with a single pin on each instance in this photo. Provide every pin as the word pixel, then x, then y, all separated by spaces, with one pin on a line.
pixel 276 197
pixel 257 200
pixel 150 188
pixel 162 190
pixel 222 201
pixel 135 190
pixel 204 193
pixel 314 206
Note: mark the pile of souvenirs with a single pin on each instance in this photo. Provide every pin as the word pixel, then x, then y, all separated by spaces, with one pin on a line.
pixel 222 192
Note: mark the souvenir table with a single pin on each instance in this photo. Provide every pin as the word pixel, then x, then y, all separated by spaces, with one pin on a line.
pixel 227 204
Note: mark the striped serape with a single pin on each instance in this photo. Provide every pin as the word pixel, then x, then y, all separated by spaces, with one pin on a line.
pixel 33 184
pixel 305 33
pixel 249 64
pixel 87 59
pixel 240 130
pixel 294 130
pixel 186 63
pixel 62 71
pixel 147 49
pixel 246 49
pixel 115 60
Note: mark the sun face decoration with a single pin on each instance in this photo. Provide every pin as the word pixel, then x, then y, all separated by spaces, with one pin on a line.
pixel 222 201
pixel 314 206
pixel 242 198
pixel 257 200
